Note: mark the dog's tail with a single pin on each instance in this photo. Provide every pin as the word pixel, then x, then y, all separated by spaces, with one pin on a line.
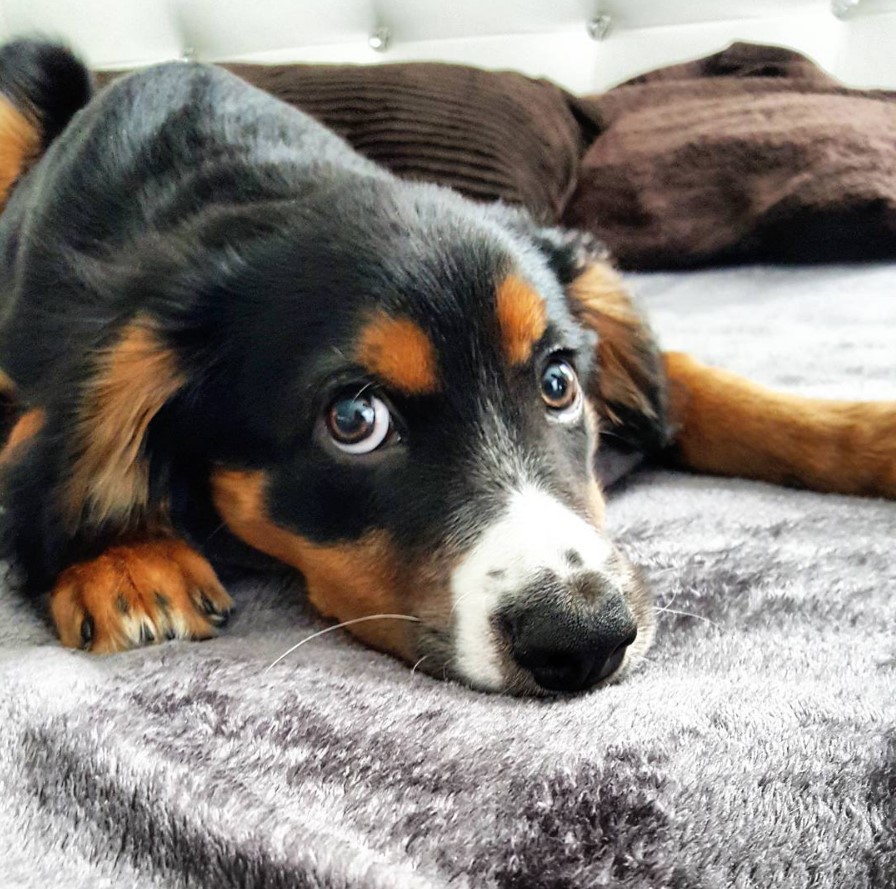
pixel 42 86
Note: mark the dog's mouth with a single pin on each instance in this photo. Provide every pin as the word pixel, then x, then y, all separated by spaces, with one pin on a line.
pixel 538 601
pixel 542 605
pixel 555 646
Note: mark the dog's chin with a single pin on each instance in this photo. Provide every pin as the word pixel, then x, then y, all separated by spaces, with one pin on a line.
pixel 520 683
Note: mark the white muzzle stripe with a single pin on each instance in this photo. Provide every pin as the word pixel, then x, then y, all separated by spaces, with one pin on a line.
pixel 534 534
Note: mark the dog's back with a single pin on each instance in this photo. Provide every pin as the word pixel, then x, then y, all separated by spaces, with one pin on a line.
pixel 162 151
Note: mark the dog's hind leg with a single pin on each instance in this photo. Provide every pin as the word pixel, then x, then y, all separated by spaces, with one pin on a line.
pixel 725 425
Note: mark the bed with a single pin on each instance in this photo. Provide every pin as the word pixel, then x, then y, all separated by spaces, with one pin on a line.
pixel 756 745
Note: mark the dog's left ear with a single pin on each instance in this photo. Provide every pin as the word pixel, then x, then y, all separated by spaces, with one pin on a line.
pixel 628 388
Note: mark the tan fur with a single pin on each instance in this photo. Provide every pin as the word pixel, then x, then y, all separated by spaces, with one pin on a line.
pixel 730 426
pixel 522 317
pixel 625 351
pixel 158 584
pixel 344 581
pixel 26 427
pixel 19 146
pixel 8 388
pixel 400 353
pixel 110 476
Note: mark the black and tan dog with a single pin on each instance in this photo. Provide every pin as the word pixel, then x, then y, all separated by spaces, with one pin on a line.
pixel 227 333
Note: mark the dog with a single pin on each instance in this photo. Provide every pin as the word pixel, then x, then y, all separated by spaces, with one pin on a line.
pixel 226 337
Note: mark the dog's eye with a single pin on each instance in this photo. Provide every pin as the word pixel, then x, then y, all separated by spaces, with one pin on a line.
pixel 358 424
pixel 560 386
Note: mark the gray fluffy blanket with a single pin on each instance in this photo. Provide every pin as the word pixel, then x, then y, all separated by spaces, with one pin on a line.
pixel 755 748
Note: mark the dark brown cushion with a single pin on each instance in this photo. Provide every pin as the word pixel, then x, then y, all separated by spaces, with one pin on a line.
pixel 490 135
pixel 750 154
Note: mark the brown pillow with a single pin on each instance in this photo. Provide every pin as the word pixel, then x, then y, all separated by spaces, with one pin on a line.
pixel 490 135
pixel 752 154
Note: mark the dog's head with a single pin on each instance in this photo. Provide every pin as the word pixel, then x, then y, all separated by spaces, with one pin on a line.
pixel 402 401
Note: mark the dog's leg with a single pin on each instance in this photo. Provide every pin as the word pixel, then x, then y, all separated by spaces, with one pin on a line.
pixel 80 518
pixel 137 594
pixel 133 593
pixel 726 425
pixel 146 588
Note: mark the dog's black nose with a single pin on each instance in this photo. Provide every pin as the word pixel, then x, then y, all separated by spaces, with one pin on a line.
pixel 570 649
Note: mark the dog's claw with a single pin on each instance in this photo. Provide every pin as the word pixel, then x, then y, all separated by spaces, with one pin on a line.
pixel 216 615
pixel 87 629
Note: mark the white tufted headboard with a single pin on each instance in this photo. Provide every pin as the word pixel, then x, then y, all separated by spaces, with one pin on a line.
pixel 585 45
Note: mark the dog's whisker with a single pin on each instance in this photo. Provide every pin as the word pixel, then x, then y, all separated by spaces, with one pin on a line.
pixel 689 614
pixel 339 626
pixel 414 668
pixel 676 592
pixel 362 390
pixel 216 531
pixel 607 433
pixel 460 600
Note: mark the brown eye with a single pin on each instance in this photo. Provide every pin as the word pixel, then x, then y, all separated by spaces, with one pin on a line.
pixel 358 424
pixel 560 386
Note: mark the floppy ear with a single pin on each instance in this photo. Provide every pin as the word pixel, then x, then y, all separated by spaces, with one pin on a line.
pixel 108 481
pixel 628 388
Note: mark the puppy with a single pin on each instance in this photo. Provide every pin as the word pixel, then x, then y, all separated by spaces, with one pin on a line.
pixel 226 335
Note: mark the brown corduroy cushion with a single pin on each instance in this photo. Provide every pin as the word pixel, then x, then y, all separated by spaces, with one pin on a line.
pixel 752 154
pixel 490 135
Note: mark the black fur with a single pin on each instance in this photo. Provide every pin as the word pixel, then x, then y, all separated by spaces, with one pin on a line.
pixel 45 81
pixel 257 242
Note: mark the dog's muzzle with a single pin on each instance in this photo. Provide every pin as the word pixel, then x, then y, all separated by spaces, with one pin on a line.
pixel 544 603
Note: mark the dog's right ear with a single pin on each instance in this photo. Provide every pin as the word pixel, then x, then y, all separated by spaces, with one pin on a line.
pixel 628 388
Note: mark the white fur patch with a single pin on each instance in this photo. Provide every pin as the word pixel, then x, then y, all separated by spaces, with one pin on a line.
pixel 533 534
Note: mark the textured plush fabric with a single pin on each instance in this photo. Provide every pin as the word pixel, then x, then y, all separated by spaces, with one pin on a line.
pixel 750 154
pixel 755 748
pixel 491 135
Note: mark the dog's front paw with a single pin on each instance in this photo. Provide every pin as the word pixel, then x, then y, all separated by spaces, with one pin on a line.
pixel 138 595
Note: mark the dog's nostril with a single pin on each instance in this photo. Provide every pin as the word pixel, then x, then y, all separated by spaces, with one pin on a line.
pixel 611 665
pixel 570 651
pixel 573 559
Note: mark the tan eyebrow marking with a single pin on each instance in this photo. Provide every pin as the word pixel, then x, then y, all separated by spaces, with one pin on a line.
pixel 399 351
pixel 522 316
